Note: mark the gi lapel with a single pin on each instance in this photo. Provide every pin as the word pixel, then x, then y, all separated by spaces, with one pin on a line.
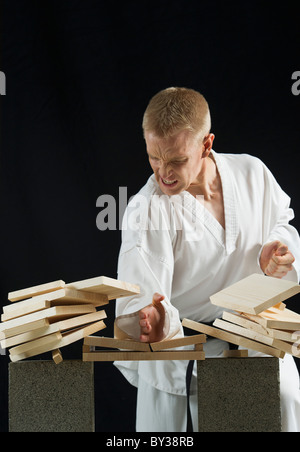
pixel 231 216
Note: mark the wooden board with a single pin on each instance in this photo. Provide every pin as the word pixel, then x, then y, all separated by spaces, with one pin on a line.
pixel 250 334
pixel 35 290
pixel 60 297
pixel 186 355
pixel 232 338
pixel 26 308
pixel 113 288
pixel 243 320
pixel 63 325
pixel 54 314
pixel 255 294
pixel 275 321
pixel 37 343
pixel 241 331
pixel 180 342
pixel 24 328
pixel 280 324
pixel 102 285
pixel 286 336
pixel 97 341
pixel 67 338
pixel 284 314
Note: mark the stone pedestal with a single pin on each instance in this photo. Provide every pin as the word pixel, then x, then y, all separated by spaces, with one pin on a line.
pixel 239 395
pixel 45 397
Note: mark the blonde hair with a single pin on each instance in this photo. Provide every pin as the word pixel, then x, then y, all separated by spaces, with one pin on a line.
pixel 175 109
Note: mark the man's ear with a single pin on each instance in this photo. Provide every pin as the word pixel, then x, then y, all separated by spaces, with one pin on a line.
pixel 208 143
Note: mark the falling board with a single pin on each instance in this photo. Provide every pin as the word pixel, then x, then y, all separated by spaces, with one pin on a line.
pixel 60 297
pixel 53 314
pixel 255 294
pixel 11 340
pixel 35 290
pixel 288 336
pixel 113 288
pixel 53 342
pixel 275 343
pixel 232 338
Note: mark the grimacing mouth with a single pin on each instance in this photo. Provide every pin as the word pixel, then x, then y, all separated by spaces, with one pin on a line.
pixel 169 182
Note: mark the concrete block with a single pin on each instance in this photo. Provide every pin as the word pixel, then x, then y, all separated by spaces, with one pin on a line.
pixel 239 395
pixel 45 397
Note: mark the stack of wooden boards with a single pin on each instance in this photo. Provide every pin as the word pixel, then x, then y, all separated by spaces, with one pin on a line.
pixel 255 316
pixel 53 315
pixel 139 351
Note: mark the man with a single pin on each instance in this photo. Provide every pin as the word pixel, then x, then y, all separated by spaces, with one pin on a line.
pixel 202 222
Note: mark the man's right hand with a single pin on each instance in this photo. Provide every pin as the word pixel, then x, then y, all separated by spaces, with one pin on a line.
pixel 152 320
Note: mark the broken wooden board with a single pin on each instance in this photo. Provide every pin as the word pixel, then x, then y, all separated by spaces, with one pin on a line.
pixel 185 355
pixel 35 290
pixel 113 288
pixel 47 328
pixel 276 321
pixel 285 313
pixel 282 335
pixel 241 331
pixel 255 294
pixel 38 347
pixel 97 341
pixel 180 342
pixel 232 338
pixel 54 314
pixel 244 321
pixel 142 351
pixel 253 335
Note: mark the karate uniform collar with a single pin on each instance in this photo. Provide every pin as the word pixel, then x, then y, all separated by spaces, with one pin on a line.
pixel 226 238
pixel 230 206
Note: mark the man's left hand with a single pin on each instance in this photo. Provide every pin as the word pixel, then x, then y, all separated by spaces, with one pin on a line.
pixel 276 260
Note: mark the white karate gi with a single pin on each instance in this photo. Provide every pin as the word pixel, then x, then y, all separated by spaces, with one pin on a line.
pixel 187 260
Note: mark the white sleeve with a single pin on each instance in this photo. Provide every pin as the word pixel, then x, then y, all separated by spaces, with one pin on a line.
pixel 277 216
pixel 150 265
pixel 152 276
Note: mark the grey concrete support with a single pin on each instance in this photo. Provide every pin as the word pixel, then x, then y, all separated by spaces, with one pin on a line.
pixel 239 395
pixel 45 397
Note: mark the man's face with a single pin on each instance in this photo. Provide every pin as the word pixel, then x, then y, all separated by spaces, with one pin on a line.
pixel 176 161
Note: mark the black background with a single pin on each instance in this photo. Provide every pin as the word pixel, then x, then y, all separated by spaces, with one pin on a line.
pixel 79 75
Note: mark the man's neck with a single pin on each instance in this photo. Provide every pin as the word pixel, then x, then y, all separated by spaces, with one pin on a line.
pixel 208 182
